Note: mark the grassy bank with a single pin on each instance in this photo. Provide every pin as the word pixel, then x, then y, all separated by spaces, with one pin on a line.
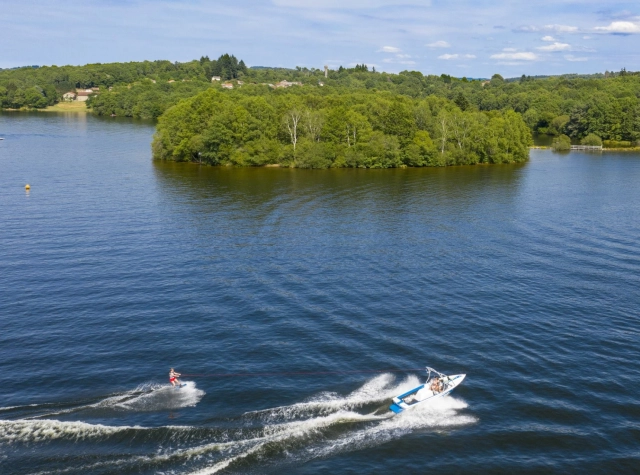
pixel 67 107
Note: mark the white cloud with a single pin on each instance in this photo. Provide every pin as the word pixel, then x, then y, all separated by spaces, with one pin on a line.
pixel 524 56
pixel 311 31
pixel 562 28
pixel 509 49
pixel 555 47
pixel 586 37
pixel 556 28
pixel 457 56
pixel 570 57
pixel 548 38
pixel 389 49
pixel 403 55
pixel 583 49
pixel 439 44
pixel 620 28
pixel 528 29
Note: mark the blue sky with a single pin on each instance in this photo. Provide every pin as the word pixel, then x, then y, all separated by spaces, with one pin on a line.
pixel 461 38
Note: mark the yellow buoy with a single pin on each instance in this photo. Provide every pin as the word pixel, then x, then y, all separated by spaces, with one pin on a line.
pixel 27 187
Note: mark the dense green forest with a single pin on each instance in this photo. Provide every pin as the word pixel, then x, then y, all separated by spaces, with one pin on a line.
pixel 605 106
pixel 349 129
pixel 138 89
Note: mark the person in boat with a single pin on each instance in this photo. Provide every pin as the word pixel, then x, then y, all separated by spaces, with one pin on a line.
pixel 436 385
pixel 173 377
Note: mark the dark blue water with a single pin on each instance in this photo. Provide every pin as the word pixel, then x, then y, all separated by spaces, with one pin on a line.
pixel 114 268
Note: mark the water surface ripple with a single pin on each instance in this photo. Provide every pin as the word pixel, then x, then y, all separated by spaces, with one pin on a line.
pixel 114 268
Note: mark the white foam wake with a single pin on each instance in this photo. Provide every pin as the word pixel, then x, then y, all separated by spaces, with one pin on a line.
pixel 319 427
pixel 440 414
pixel 308 438
pixel 377 390
pixel 162 398
pixel 25 431
pixel 146 397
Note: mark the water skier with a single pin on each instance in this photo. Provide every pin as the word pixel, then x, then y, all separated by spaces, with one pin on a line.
pixel 173 377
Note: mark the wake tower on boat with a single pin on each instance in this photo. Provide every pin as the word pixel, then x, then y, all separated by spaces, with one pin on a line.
pixel 437 385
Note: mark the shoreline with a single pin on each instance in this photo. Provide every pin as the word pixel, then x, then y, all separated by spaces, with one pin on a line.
pixel 622 149
pixel 609 149
pixel 59 107
pixel 289 167
pixel 67 107
pixel 81 107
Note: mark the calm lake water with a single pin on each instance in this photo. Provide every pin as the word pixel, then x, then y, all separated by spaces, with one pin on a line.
pixel 114 268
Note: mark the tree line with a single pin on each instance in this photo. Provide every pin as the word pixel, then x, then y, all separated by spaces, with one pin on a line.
pixel 350 129
pixel 604 105
pixel 608 107
pixel 39 87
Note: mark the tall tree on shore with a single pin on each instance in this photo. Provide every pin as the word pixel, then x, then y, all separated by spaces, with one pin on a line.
pixel 291 122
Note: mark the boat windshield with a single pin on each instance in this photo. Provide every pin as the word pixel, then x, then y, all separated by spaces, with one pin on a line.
pixel 435 374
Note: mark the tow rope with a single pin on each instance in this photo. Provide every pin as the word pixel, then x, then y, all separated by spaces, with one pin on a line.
pixel 297 373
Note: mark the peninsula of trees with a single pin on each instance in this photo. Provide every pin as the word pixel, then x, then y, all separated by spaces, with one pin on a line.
pixel 220 111
pixel 348 129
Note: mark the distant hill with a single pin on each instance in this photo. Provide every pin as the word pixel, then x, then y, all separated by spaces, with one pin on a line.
pixel 271 67
pixel 572 76
pixel 34 66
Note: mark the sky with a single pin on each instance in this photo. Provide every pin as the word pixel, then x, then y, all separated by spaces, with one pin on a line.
pixel 462 38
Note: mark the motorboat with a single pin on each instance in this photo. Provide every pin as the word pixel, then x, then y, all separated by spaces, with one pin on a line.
pixel 438 385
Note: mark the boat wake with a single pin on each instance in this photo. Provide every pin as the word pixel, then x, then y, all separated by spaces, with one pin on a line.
pixel 319 427
pixel 162 398
pixel 146 397
pixel 328 424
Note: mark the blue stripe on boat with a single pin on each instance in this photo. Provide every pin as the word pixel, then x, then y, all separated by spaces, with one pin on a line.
pixel 395 408
pixel 414 390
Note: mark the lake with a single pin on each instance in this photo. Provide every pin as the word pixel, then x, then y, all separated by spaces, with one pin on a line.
pixel 297 303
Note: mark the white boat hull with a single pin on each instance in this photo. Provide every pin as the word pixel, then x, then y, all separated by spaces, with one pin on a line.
pixel 422 394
